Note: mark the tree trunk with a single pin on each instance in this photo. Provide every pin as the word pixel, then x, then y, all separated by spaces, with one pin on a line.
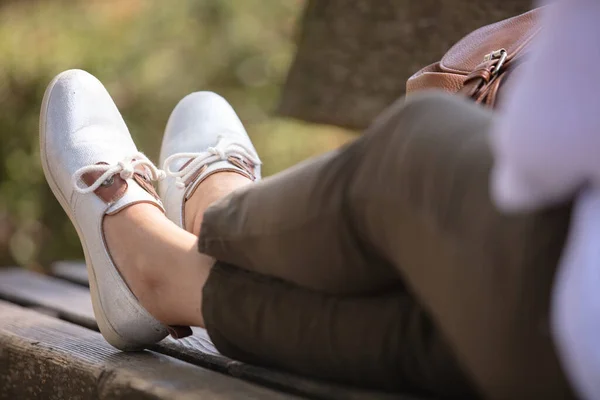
pixel 354 56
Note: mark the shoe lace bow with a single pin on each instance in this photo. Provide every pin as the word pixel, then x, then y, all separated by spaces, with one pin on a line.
pixel 126 168
pixel 224 149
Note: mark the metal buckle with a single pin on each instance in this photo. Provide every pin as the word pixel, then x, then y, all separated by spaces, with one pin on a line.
pixel 499 55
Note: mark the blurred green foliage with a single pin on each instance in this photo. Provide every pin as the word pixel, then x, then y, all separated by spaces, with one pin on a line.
pixel 149 54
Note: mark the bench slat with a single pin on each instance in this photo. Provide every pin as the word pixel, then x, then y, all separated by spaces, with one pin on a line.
pixel 44 357
pixel 74 304
pixel 71 303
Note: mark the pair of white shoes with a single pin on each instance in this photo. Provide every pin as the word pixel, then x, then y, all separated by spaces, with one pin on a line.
pixel 94 169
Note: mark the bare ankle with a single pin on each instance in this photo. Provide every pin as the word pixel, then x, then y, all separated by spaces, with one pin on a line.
pixel 213 188
pixel 118 229
pixel 159 262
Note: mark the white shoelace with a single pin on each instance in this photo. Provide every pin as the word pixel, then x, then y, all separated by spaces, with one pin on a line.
pixel 125 169
pixel 224 149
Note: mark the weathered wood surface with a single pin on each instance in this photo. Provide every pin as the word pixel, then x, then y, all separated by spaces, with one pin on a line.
pixel 46 358
pixel 71 303
pixel 17 284
pixel 354 56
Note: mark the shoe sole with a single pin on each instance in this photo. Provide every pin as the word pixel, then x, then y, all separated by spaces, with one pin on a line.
pixel 106 329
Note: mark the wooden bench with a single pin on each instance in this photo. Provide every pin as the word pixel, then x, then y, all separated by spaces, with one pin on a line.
pixel 50 348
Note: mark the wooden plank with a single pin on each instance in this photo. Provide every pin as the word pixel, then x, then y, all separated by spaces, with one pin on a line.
pixel 197 349
pixel 72 303
pixel 73 271
pixel 43 357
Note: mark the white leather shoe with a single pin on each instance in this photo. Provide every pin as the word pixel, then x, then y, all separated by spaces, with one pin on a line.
pixel 94 169
pixel 203 136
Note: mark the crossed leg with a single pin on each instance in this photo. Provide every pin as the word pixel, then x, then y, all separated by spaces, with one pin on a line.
pixel 167 273
pixel 405 209
pixel 381 264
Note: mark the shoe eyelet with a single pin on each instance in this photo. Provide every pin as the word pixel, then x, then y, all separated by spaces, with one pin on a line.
pixel 108 182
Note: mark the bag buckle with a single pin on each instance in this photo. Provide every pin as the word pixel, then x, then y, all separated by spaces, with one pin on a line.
pixel 499 55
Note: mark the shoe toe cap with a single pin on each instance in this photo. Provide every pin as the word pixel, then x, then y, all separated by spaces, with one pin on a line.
pixel 80 125
pixel 197 122
pixel 77 99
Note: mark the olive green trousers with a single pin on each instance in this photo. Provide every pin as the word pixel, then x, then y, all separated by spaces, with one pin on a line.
pixel 385 264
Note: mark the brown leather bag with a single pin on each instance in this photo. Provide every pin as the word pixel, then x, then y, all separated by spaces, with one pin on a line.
pixel 480 63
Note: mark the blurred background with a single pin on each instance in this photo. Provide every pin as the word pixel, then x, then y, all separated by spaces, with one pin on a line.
pixel 149 54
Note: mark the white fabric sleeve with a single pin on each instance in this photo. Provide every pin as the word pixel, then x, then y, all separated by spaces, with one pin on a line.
pixel 546 144
pixel 575 307
pixel 546 139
